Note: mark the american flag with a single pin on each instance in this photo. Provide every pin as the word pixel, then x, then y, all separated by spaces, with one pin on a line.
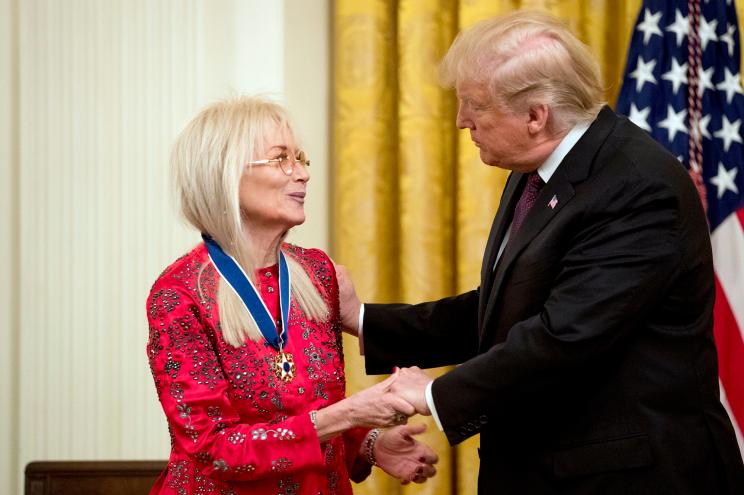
pixel 682 84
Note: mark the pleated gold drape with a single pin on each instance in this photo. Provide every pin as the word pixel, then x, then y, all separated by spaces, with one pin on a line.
pixel 413 204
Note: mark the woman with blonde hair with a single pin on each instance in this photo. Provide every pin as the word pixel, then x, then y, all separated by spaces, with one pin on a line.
pixel 245 342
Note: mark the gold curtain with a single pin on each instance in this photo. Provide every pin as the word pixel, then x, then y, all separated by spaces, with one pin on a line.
pixel 413 204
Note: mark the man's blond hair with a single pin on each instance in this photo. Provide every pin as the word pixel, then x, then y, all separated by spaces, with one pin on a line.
pixel 528 58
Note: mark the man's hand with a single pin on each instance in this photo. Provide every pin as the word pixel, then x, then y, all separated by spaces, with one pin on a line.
pixel 410 385
pixel 348 301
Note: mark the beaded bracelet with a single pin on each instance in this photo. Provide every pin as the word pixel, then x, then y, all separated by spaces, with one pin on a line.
pixel 369 446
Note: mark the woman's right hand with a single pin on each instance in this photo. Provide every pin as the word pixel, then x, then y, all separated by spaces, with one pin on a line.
pixel 376 406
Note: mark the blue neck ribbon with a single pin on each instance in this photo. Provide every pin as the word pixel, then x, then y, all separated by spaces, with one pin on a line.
pixel 244 288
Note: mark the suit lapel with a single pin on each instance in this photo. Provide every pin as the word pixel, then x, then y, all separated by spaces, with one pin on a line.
pixel 498 230
pixel 574 168
pixel 537 219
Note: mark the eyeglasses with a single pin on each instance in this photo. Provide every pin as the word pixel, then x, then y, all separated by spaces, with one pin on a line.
pixel 285 162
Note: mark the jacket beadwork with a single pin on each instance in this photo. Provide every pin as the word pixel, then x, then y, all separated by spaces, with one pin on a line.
pixel 235 426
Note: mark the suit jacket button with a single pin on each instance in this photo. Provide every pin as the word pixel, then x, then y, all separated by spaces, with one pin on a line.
pixel 483 419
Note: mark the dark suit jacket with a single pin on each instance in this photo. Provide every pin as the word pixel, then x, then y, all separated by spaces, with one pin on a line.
pixel 588 361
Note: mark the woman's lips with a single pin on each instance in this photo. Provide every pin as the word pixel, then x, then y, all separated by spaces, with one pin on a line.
pixel 298 196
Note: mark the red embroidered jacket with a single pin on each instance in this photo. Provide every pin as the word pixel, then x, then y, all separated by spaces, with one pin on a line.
pixel 235 426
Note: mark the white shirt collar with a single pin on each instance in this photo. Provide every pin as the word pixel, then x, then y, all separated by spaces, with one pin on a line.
pixel 548 168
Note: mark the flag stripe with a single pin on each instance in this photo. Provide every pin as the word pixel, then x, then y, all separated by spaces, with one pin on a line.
pixel 730 354
pixel 728 257
pixel 728 249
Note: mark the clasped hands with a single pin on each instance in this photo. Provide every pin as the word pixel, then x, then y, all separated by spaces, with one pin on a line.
pixel 393 400
pixel 388 404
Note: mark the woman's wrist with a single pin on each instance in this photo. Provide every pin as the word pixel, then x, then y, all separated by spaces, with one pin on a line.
pixel 330 421
pixel 368 446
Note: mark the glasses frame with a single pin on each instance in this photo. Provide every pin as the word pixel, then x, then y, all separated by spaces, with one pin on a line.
pixel 300 158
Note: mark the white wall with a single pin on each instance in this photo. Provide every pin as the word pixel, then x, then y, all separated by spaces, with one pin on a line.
pixel 103 86
pixel 307 90
pixel 8 230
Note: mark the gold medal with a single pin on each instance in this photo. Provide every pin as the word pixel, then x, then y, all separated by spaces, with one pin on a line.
pixel 284 366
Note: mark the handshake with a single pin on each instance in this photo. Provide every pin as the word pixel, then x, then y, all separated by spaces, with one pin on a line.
pixel 386 407
pixel 392 401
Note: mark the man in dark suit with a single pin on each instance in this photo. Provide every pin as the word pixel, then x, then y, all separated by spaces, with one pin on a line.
pixel 586 357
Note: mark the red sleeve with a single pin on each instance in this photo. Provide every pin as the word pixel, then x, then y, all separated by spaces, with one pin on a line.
pixel 356 462
pixel 194 395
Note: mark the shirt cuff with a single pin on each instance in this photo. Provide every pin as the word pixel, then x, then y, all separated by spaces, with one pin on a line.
pixel 360 326
pixel 430 403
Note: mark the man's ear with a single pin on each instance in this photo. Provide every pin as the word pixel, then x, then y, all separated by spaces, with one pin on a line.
pixel 537 120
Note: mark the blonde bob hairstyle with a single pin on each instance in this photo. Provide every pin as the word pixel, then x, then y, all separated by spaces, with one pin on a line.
pixel 528 58
pixel 209 158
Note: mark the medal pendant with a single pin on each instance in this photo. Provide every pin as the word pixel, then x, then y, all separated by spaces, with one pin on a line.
pixel 284 366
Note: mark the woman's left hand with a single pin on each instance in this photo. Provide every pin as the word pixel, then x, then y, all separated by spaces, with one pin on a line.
pixel 402 456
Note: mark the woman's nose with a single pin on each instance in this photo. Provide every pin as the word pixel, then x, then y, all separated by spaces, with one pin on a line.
pixel 301 172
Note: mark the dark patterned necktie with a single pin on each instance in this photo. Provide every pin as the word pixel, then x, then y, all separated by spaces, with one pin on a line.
pixel 526 200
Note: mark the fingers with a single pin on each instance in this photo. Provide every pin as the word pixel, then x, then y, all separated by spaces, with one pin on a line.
pixel 403 457
pixel 389 403
pixel 348 301
pixel 378 406
pixel 388 382
pixel 415 429
pixel 420 475
pixel 400 405
pixel 412 373
pixel 410 384
pixel 427 457
pixel 397 403
pixel 426 471
pixel 425 453
pixel 342 273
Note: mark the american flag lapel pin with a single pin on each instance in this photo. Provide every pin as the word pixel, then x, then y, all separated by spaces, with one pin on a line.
pixel 553 202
